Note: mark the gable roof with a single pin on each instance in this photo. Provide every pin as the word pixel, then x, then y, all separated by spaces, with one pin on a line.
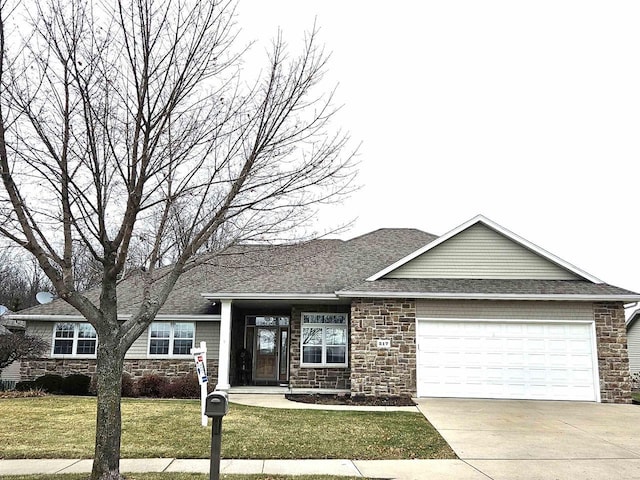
pixel 331 269
pixel 481 220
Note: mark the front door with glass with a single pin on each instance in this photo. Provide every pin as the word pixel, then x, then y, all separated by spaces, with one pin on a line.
pixel 267 338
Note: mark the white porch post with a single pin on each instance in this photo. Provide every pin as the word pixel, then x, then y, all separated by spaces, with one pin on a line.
pixel 224 354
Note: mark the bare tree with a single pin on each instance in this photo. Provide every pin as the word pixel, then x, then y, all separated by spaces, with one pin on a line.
pixel 20 280
pixel 126 131
pixel 14 346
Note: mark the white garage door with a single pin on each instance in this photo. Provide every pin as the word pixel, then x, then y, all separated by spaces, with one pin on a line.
pixel 497 359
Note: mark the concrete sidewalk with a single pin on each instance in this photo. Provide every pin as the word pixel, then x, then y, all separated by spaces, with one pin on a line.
pixel 396 469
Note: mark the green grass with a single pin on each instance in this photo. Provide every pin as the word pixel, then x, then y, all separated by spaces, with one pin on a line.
pixel 63 427
pixel 635 396
pixel 184 476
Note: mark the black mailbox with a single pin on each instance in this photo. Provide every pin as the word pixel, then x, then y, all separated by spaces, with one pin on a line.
pixel 217 404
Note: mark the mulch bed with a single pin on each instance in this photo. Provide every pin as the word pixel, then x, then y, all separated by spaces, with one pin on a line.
pixel 322 399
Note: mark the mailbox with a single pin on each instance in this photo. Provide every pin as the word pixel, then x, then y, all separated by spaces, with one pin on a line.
pixel 217 405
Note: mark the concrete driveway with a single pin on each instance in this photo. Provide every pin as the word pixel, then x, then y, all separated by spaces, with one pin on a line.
pixel 518 440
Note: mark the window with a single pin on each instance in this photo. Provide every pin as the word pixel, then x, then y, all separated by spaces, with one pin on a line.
pixel 324 339
pixel 171 338
pixel 74 338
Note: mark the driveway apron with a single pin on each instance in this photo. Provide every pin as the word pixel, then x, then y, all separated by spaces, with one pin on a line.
pixel 520 439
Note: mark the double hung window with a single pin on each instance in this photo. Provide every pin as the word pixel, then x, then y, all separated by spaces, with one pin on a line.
pixel 171 338
pixel 74 338
pixel 324 340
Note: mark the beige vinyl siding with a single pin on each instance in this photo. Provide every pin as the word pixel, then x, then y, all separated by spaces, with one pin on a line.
pixel 208 331
pixel 43 330
pixel 11 372
pixel 480 252
pixel 504 310
pixel 139 347
pixel 633 346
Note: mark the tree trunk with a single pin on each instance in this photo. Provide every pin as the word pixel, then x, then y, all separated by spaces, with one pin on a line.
pixel 106 462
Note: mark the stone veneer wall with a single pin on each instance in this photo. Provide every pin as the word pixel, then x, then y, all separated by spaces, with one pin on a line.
pixel 34 368
pixel 377 371
pixel 313 377
pixel 613 359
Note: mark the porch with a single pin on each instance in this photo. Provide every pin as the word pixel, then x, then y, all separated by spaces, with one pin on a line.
pixel 261 347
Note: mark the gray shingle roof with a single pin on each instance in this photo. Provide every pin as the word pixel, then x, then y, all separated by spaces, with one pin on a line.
pixel 318 266
pixel 455 286
pixel 322 267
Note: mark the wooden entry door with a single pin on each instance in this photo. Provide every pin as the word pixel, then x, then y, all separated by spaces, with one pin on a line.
pixel 266 354
pixel 268 339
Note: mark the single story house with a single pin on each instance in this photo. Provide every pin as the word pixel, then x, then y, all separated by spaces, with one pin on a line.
pixel 477 312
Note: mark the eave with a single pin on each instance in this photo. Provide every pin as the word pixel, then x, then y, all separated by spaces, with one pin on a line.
pixel 269 296
pixel 491 296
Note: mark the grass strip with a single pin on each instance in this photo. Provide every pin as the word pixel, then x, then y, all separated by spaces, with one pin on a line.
pixel 63 427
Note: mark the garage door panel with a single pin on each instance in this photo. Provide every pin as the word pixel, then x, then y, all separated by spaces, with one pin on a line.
pixel 538 360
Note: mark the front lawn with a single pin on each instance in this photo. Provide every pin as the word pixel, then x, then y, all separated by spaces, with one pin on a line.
pixel 63 427
pixel 635 396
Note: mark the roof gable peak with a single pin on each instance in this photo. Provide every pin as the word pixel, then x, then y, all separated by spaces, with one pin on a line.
pixel 482 220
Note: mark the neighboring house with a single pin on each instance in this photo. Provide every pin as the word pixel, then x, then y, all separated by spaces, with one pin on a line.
pixel 633 341
pixel 11 373
pixel 478 312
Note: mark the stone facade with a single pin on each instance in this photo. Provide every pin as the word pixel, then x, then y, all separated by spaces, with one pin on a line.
pixel 613 360
pixel 32 369
pixel 377 371
pixel 312 377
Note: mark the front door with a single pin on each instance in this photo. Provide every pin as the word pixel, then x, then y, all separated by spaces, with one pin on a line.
pixel 267 338
pixel 266 354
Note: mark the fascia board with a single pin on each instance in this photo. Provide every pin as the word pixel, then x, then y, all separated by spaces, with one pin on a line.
pixel 633 318
pixel 498 228
pixel 269 296
pixel 491 296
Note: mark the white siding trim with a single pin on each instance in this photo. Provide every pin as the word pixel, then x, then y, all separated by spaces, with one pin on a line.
pixel 501 320
pixel 596 371
pixel 498 228
pixel 269 296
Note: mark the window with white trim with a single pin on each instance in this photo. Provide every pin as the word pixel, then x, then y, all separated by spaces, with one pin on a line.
pixel 74 338
pixel 171 338
pixel 324 340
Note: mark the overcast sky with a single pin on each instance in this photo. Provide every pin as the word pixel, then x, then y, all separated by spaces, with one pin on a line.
pixel 527 112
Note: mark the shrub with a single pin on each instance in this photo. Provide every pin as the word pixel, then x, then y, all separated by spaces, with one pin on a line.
pixel 635 381
pixel 29 393
pixel 50 383
pixel 186 386
pixel 151 385
pixel 129 388
pixel 76 384
pixel 25 386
